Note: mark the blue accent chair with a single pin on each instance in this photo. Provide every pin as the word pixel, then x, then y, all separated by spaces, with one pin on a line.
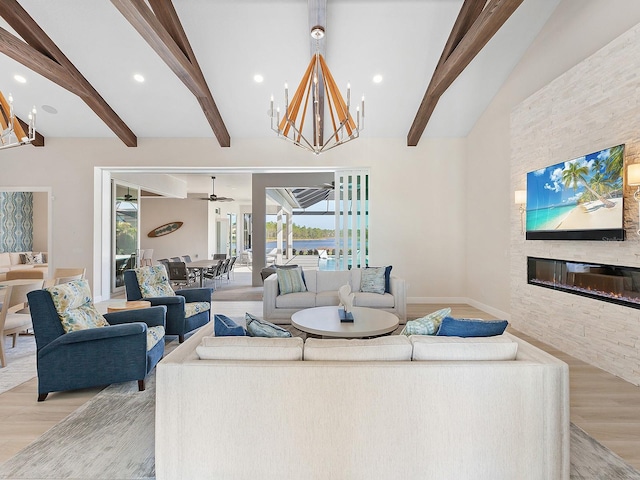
pixel 177 321
pixel 95 356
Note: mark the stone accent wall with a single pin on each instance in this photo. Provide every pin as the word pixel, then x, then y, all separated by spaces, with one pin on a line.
pixel 594 105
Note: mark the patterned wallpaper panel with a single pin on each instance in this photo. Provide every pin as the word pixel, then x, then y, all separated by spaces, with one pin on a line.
pixel 16 221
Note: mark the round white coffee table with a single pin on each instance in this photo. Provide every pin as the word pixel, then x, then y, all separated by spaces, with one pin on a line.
pixel 324 321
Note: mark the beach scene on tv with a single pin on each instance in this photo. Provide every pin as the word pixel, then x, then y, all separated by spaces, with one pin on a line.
pixel 580 194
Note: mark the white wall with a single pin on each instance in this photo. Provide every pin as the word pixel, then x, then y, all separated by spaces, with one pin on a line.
pixel 40 221
pixel 190 239
pixel 577 29
pixel 417 194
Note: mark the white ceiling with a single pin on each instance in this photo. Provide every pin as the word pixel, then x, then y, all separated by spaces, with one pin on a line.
pixel 235 39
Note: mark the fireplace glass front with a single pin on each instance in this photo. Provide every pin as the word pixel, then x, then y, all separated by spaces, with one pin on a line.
pixel 610 283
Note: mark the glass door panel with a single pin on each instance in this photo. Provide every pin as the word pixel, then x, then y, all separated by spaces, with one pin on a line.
pixel 126 238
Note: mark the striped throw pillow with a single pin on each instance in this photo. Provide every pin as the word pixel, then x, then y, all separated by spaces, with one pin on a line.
pixel 290 280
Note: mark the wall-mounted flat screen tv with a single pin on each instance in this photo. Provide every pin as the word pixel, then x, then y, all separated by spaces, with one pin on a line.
pixel 580 199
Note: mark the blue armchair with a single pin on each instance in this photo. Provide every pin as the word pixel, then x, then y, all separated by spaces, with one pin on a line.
pixel 187 309
pixel 124 350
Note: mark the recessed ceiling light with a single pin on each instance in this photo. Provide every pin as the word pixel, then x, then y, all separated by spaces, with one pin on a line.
pixel 377 78
pixel 138 78
pixel 19 79
pixel 258 78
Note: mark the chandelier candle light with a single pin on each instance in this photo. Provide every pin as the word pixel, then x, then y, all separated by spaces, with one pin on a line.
pixel 317 78
pixel 13 134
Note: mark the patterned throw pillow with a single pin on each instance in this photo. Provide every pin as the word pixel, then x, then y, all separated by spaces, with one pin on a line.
pixel 373 280
pixel 73 303
pixel 290 280
pixel 427 325
pixel 154 282
pixel 257 327
pixel 33 258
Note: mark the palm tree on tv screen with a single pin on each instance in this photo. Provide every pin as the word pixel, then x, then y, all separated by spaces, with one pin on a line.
pixel 615 163
pixel 575 174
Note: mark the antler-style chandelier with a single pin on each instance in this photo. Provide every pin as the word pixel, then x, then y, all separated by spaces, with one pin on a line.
pixel 13 134
pixel 316 86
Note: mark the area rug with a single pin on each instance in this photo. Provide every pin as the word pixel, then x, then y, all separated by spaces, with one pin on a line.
pixel 112 437
pixel 21 362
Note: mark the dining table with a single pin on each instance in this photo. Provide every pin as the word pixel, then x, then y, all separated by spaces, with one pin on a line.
pixel 200 266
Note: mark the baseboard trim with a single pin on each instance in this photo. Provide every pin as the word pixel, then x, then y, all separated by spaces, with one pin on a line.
pixel 490 310
pixel 461 300
pixel 455 300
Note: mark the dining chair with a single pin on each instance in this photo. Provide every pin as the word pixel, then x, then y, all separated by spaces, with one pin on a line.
pixel 14 318
pixel 64 275
pixel 147 258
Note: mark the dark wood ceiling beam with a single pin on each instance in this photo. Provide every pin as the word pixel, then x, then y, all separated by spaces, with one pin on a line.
pixel 162 30
pixel 58 68
pixel 166 14
pixel 459 51
pixel 24 54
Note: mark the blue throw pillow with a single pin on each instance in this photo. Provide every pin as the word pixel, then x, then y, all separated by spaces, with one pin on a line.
pixel 471 327
pixel 256 327
pixel 223 326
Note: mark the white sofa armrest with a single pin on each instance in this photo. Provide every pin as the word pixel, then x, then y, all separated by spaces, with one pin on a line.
pixel 269 296
pixel 399 292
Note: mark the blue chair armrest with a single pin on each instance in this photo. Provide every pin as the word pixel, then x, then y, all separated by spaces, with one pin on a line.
pixel 99 333
pixel 153 317
pixel 156 301
pixel 195 294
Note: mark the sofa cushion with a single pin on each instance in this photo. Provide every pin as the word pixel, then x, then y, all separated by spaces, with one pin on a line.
pixel 327 299
pixel 389 348
pixel 290 280
pixel 373 300
pixel 17 258
pixel 498 348
pixel 296 300
pixel 250 348
pixel 331 281
pixel 5 259
pixel 154 282
pixel 72 302
pixel 194 308
pixel 154 335
pixel 223 326
pixel 256 327
pixel 372 280
pixel 471 327
pixel 427 325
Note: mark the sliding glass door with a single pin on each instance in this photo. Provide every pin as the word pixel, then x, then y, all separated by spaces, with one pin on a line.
pixel 125 233
pixel 352 218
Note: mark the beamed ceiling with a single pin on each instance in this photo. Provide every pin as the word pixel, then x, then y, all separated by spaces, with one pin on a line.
pixel 442 61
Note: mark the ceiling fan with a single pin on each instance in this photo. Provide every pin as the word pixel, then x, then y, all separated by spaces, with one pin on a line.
pixel 213 197
pixel 128 197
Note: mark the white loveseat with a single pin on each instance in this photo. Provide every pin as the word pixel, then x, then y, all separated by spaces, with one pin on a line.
pixel 322 291
pixel 327 419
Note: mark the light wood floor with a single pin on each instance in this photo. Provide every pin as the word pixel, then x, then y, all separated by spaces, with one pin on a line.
pixel 603 405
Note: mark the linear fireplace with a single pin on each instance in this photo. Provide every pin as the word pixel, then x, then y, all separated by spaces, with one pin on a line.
pixel 610 283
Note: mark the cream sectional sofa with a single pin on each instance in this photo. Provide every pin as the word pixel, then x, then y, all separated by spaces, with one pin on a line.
pixel 242 417
pixel 13 261
pixel 322 291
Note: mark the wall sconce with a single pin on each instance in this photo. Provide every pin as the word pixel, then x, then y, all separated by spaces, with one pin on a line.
pixel 633 180
pixel 521 200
